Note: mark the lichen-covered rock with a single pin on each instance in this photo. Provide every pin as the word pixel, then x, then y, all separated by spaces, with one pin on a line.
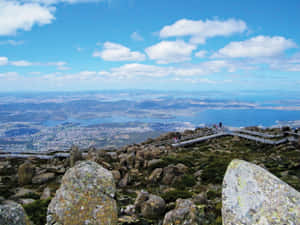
pixel 25 173
pixel 13 214
pixel 185 212
pixel 86 196
pixel 252 195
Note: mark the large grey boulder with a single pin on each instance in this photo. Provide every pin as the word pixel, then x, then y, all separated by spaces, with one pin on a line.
pixel 86 196
pixel 13 214
pixel 252 195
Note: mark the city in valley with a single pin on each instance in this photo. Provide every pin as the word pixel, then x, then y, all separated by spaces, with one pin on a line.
pixel 56 121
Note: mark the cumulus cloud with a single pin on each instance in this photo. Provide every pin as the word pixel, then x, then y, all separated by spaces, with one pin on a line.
pixel 201 54
pixel 9 76
pixel 11 42
pixel 116 52
pixel 136 36
pixel 290 64
pixel 15 16
pixel 136 70
pixel 21 63
pixel 260 46
pixel 142 70
pixel 170 51
pixel 200 30
pixel 52 2
pixel 3 61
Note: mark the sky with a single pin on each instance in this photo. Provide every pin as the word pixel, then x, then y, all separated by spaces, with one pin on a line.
pixel 192 45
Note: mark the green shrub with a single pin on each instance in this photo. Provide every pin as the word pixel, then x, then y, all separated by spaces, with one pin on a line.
pixel 185 181
pixel 215 171
pixel 172 195
pixel 37 211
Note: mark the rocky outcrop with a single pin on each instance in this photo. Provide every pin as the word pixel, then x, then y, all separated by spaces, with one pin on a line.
pixel 25 173
pixel 252 195
pixel 13 214
pixel 185 213
pixel 86 196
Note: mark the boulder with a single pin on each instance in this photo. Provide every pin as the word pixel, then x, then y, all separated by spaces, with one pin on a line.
pixel 43 178
pixel 171 173
pixel 23 192
pixel 181 168
pixel 140 199
pixel 25 201
pixel 116 174
pixel 252 195
pixel 86 196
pixel 151 206
pixel 13 214
pixel 25 173
pixel 155 175
pixel 154 163
pixel 185 213
pixel 46 194
pixel 75 155
pixel 124 181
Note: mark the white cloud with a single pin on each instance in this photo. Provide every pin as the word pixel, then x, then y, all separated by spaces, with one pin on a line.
pixel 24 63
pixel 136 36
pixel 170 51
pixel 11 42
pixel 52 2
pixel 141 70
pixel 35 73
pixel 9 76
pixel 79 49
pixel 21 63
pixel 201 30
pixel 83 75
pixel 201 54
pixel 15 16
pixel 291 64
pixel 136 70
pixel 260 46
pixel 58 64
pixel 116 52
pixel 3 61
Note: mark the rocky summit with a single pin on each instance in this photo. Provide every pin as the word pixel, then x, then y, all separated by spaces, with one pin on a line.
pixel 155 183
pixel 252 195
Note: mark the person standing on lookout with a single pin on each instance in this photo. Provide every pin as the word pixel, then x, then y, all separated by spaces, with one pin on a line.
pixel 220 124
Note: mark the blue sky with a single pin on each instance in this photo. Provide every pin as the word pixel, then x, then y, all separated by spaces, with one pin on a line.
pixel 59 45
